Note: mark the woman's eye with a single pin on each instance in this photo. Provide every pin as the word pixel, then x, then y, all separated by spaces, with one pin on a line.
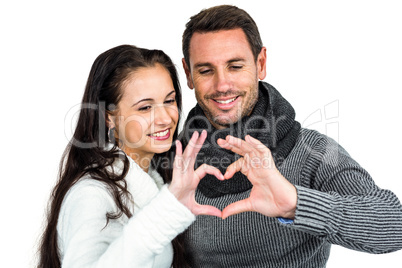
pixel 170 101
pixel 145 108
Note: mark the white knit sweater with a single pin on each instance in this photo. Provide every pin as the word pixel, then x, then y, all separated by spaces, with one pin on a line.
pixel 141 241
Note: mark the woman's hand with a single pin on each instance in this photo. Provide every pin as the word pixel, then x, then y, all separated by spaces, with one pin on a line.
pixel 185 179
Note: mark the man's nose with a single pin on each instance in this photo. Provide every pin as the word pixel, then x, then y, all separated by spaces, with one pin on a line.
pixel 222 81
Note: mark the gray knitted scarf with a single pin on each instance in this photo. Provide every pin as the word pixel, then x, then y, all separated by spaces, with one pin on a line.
pixel 272 122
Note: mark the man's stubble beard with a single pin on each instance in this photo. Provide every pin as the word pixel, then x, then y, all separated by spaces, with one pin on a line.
pixel 222 120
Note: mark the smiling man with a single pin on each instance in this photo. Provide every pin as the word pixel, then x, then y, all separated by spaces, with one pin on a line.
pixel 225 75
pixel 289 192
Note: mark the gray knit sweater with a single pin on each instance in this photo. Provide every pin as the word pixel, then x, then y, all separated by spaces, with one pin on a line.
pixel 338 203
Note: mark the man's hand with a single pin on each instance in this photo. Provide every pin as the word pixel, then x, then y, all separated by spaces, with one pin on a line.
pixel 272 194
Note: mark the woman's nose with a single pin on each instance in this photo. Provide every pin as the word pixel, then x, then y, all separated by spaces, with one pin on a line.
pixel 162 116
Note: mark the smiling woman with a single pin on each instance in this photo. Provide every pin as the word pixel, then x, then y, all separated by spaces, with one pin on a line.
pixel 111 170
pixel 147 126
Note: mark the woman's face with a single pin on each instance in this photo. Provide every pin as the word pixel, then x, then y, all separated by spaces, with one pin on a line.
pixel 147 113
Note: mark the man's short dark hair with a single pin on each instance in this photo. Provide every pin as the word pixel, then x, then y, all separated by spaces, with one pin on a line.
pixel 224 17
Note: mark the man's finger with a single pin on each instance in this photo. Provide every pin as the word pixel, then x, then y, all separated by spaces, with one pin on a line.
pixel 237 207
pixel 257 144
pixel 207 210
pixel 234 167
pixel 239 145
pixel 225 145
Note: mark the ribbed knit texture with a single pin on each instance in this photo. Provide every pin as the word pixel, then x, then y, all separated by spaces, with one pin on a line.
pixel 338 203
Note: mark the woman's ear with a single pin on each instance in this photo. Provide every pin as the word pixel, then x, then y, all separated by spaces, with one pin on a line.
pixel 109 118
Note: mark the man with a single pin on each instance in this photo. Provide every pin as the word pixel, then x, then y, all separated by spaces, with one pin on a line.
pixel 290 192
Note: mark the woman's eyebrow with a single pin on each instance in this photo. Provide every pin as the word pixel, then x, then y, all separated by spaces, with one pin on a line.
pixel 143 100
pixel 170 93
pixel 150 99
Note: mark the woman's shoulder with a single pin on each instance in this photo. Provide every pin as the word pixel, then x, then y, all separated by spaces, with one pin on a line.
pixel 87 194
pixel 88 184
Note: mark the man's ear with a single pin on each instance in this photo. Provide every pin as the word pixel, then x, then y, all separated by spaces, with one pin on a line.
pixel 262 63
pixel 188 74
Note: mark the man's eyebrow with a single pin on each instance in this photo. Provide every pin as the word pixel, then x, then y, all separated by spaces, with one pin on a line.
pixel 207 64
pixel 202 64
pixel 235 60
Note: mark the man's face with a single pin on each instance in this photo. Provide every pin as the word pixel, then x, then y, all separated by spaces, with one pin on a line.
pixel 224 74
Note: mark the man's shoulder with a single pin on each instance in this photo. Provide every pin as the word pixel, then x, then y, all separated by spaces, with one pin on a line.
pixel 313 139
pixel 310 135
pixel 312 143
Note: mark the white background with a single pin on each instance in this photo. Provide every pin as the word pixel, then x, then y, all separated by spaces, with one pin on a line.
pixel 342 55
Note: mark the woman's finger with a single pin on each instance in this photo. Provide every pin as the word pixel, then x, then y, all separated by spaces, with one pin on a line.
pixel 194 146
pixel 179 149
pixel 205 169
pixel 191 145
pixel 199 142
pixel 178 159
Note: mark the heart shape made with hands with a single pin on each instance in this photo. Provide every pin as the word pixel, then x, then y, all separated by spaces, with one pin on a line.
pixel 271 195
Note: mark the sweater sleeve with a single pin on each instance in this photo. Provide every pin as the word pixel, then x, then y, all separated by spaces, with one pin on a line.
pixel 344 206
pixel 87 241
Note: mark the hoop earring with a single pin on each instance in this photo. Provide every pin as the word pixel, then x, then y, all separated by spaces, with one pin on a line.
pixel 110 135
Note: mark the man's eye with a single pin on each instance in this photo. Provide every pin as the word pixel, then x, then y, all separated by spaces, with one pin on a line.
pixel 236 67
pixel 205 71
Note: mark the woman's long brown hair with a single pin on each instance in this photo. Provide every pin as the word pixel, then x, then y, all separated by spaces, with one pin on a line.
pixel 85 153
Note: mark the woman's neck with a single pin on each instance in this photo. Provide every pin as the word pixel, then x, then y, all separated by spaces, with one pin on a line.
pixel 142 159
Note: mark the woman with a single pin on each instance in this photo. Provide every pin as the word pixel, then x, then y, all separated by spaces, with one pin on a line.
pixel 120 199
